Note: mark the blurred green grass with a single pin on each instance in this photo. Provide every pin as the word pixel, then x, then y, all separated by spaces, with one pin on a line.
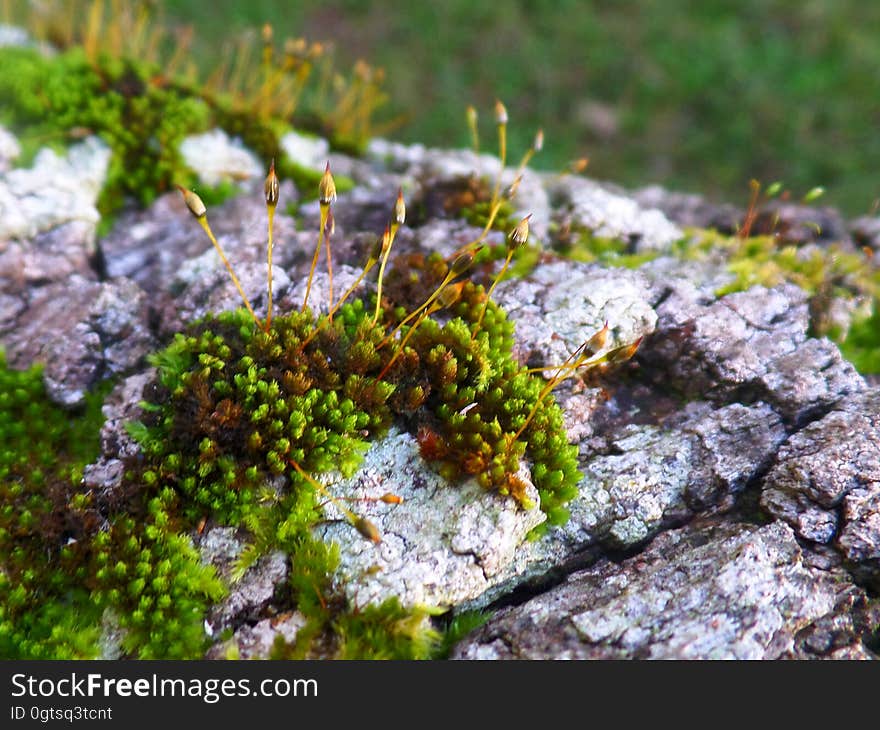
pixel 697 96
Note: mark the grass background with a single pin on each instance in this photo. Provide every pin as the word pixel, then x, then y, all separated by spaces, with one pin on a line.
pixel 697 96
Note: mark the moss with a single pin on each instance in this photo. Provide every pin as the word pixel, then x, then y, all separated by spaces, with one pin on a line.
pixel 139 112
pixel 862 343
pixel 127 103
pixel 458 627
pixel 45 525
pixel 234 407
pixel 582 245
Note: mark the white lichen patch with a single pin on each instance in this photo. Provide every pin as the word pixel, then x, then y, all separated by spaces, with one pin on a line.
pixel 218 158
pixel 55 190
pixel 610 215
pixel 10 149
pixel 561 305
pixel 306 150
pixel 444 544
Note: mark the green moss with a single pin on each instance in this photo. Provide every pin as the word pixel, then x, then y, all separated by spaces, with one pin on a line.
pixel 142 115
pixel 45 525
pixel 458 627
pixel 862 344
pixel 582 245
pixel 234 407
pixel 127 103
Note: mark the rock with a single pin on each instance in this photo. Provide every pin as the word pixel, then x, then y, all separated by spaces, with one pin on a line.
pixel 732 591
pixel 207 288
pixel 251 595
pixel 586 204
pixel 654 477
pixel 117 446
pixel 423 163
pixel 446 236
pixel 49 257
pixel 560 305
pixel 83 331
pixel 55 190
pixel 826 482
pixel 797 225
pixel 361 210
pixel 689 210
pixel 444 544
pixel 431 167
pixel 151 246
pixel 865 231
pixel 746 346
pixel 257 641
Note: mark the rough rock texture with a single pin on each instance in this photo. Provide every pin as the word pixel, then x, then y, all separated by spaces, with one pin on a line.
pixel 826 481
pixel 120 407
pixel 732 591
pixel 689 210
pixel 150 247
pixel 443 545
pixel 747 346
pixel 251 594
pixel 561 305
pixel 83 331
pixel 609 215
pixel 256 642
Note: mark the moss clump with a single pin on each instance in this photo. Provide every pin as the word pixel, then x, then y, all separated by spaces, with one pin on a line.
pixel 760 260
pixel 45 524
pixel 240 417
pixel 129 104
pixel 235 406
pixel 69 556
pixel 142 114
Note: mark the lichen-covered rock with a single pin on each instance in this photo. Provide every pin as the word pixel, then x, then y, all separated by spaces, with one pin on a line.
pixel 151 246
pixel 257 641
pixel 54 190
pixel 586 204
pixel 117 446
pixel 216 158
pixel 560 305
pixel 83 331
pixel 49 257
pixel 653 477
pixel 702 592
pixel 443 545
pixel 429 167
pixel 747 346
pixel 689 210
pixel 826 481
